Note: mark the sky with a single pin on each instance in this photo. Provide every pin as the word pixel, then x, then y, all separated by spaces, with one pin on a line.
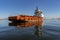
pixel 50 8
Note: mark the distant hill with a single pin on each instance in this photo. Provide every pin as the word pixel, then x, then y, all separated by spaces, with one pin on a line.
pixel 58 18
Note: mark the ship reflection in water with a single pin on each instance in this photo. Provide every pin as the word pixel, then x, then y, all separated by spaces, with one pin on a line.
pixel 30 30
pixel 37 26
pixel 25 24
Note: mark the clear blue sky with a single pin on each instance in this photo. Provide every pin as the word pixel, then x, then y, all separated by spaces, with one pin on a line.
pixel 50 8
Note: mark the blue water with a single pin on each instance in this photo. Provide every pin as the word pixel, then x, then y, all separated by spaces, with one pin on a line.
pixel 50 30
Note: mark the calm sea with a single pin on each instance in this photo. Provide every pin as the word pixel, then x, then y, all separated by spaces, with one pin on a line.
pixel 50 30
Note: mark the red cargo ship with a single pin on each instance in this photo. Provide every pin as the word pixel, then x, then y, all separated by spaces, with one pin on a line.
pixel 23 18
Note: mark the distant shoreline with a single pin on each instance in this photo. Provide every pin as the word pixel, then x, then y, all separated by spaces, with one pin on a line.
pixel 3 19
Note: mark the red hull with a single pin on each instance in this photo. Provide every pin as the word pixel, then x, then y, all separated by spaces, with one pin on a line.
pixel 24 18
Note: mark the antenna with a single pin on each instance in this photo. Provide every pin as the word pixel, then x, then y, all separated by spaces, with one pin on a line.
pixel 36 7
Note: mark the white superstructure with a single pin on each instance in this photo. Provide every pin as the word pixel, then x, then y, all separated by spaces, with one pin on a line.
pixel 38 13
